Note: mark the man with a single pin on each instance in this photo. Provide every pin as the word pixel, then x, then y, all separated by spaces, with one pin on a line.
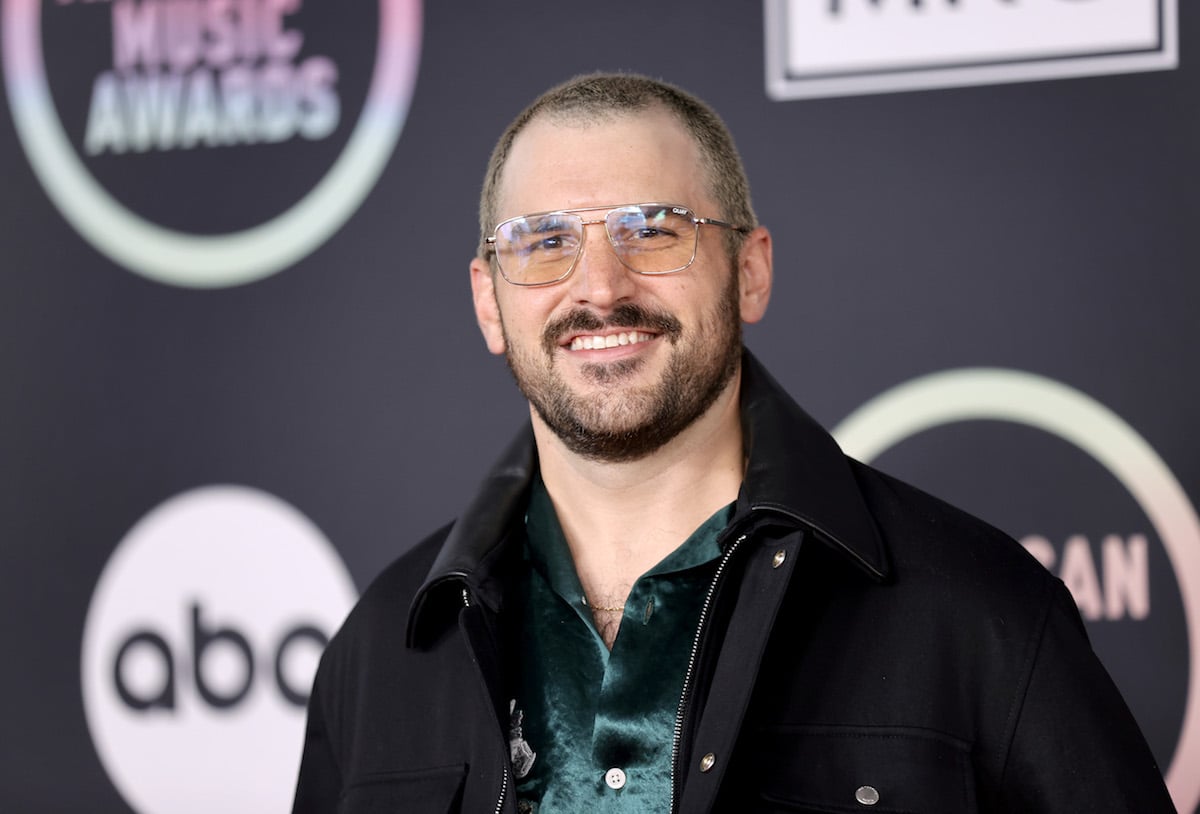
pixel 675 593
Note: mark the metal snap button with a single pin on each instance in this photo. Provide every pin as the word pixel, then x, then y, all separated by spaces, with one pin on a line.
pixel 615 778
pixel 780 556
pixel 867 795
pixel 706 762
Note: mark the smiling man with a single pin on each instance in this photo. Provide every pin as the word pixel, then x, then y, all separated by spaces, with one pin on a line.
pixel 674 593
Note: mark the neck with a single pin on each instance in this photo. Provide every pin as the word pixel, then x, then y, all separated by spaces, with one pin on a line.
pixel 620 519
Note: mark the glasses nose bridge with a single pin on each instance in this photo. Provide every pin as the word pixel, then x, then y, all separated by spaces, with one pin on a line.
pixel 612 243
pixel 586 222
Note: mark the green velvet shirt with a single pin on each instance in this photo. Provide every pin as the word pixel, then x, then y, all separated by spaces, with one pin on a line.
pixel 592 730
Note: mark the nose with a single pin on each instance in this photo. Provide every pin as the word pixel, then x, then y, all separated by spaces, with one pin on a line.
pixel 599 278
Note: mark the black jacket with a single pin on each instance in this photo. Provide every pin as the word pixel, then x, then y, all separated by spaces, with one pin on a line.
pixel 862 641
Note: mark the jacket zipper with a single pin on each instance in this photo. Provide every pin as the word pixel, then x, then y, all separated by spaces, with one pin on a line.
pixel 503 790
pixel 691 668
pixel 466 598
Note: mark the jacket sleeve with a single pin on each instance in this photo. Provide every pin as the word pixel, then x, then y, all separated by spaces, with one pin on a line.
pixel 319 786
pixel 1074 744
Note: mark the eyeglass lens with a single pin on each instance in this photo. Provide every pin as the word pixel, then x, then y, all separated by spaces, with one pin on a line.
pixel 647 238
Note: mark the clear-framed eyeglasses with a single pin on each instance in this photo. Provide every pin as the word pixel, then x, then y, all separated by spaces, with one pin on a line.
pixel 648 238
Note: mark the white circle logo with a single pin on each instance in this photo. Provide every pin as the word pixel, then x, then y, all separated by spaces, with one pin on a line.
pixel 201 641
pixel 233 84
pixel 1006 395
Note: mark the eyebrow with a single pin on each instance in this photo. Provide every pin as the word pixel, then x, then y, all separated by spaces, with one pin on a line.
pixel 548 223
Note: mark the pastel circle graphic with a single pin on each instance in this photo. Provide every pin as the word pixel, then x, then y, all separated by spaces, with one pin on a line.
pixel 973 394
pixel 197 261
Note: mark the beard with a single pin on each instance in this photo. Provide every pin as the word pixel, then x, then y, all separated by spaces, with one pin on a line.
pixel 624 422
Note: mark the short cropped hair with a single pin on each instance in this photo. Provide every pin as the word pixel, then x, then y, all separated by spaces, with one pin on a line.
pixel 593 97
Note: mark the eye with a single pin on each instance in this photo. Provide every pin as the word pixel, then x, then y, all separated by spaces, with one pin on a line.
pixel 542 237
pixel 649 227
pixel 650 232
pixel 642 232
pixel 546 242
pixel 551 242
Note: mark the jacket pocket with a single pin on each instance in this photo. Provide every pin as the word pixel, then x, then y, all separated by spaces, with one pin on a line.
pixel 437 789
pixel 881 770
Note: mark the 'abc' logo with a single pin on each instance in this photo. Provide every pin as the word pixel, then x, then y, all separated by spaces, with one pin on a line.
pixel 206 640
pixel 199 649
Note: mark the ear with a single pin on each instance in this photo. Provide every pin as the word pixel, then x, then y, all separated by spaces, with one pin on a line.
pixel 487 310
pixel 755 275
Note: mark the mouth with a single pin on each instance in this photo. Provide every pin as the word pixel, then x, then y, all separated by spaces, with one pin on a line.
pixel 624 332
pixel 604 341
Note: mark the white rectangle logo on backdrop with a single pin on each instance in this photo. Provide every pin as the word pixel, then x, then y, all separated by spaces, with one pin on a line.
pixel 847 47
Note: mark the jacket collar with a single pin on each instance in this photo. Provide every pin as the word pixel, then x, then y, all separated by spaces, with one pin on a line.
pixel 798 471
pixel 796 474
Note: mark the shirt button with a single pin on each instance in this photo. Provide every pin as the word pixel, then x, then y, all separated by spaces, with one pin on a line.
pixel 867 795
pixel 615 778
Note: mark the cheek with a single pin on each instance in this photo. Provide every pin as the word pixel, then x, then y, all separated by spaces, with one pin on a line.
pixel 524 316
pixel 700 297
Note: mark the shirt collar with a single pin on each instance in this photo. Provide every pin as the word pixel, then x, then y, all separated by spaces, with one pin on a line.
pixel 796 475
pixel 548 550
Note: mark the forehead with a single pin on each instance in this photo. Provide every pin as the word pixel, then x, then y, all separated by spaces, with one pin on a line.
pixel 625 158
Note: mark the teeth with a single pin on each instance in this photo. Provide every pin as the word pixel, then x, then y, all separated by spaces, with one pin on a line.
pixel 610 341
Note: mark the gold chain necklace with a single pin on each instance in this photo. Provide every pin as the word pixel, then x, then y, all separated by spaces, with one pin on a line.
pixel 586 604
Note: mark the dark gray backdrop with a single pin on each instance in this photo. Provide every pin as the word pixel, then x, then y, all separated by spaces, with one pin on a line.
pixel 1041 226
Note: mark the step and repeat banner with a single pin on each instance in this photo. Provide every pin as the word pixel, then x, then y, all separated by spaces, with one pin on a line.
pixel 241 372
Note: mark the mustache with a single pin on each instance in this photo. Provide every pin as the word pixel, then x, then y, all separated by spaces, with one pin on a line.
pixel 625 315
